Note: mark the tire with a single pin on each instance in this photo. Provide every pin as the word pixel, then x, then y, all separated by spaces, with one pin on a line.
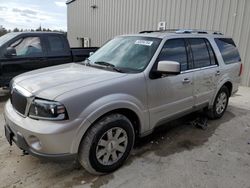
pixel 107 144
pixel 214 113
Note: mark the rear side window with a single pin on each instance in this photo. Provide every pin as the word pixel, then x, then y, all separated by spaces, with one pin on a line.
pixel 55 44
pixel 213 59
pixel 228 50
pixel 200 52
pixel 175 50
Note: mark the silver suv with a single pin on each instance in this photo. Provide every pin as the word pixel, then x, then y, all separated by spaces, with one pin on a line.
pixel 94 110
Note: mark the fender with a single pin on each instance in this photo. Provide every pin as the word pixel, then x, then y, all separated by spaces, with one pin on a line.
pixel 104 105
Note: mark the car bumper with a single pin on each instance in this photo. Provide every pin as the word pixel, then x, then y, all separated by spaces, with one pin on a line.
pixel 20 141
pixel 46 139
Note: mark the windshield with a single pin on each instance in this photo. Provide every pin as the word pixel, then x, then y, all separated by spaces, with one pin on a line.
pixel 129 54
pixel 7 37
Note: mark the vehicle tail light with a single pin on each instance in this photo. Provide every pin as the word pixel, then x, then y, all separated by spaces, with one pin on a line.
pixel 241 69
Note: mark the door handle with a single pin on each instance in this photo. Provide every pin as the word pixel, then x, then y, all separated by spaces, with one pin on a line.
pixel 217 73
pixel 185 81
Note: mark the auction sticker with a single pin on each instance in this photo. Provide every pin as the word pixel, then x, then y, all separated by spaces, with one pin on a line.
pixel 144 42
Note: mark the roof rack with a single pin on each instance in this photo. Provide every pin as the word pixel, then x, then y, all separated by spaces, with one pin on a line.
pixel 217 33
pixel 185 31
pixel 152 31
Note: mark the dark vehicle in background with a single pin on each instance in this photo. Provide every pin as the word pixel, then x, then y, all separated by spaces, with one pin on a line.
pixel 26 51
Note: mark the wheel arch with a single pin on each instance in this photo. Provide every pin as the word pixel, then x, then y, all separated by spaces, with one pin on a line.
pixel 132 111
pixel 228 84
pixel 130 114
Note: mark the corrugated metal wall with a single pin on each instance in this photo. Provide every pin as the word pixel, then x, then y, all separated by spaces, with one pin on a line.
pixel 115 17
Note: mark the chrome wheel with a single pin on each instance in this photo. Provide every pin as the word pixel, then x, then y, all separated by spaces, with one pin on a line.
pixel 221 102
pixel 111 146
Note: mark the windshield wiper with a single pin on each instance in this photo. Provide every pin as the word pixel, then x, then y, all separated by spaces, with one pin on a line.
pixel 109 65
pixel 104 63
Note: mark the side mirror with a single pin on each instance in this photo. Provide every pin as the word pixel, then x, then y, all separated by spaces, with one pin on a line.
pixel 10 52
pixel 91 53
pixel 169 67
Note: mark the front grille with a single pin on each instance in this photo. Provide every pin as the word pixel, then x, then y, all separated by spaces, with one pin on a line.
pixel 18 101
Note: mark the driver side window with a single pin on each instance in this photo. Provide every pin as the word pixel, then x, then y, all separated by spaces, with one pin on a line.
pixel 175 50
pixel 27 47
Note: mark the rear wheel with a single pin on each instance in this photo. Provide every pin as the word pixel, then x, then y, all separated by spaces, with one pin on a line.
pixel 107 144
pixel 220 104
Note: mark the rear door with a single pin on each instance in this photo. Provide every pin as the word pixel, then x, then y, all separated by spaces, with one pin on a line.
pixel 58 50
pixel 206 70
pixel 30 55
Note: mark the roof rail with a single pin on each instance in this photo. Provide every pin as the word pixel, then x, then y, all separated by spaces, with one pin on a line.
pixel 217 33
pixel 185 31
pixel 202 32
pixel 181 31
pixel 166 30
pixel 147 31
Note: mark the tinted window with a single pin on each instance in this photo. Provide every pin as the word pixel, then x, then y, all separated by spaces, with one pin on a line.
pixel 55 44
pixel 29 46
pixel 228 50
pixel 175 50
pixel 200 53
pixel 213 59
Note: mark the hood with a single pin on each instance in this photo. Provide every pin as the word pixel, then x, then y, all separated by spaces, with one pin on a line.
pixel 53 81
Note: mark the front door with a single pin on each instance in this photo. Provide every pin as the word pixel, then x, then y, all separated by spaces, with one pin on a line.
pixel 171 95
pixel 29 56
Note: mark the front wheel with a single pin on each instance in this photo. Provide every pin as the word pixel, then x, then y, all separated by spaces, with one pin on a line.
pixel 107 144
pixel 220 104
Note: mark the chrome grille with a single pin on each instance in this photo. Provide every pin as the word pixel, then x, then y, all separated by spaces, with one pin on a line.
pixel 19 102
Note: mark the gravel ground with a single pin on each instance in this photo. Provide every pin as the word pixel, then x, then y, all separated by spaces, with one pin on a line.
pixel 176 155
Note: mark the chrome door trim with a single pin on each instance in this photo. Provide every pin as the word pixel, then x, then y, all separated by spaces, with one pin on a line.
pixel 198 69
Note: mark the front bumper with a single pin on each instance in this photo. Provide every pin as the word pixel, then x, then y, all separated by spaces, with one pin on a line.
pixel 46 139
pixel 22 144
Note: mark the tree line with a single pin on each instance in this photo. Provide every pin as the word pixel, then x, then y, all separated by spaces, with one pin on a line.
pixel 3 30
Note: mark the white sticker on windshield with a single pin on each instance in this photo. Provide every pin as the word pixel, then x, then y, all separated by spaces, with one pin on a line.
pixel 144 42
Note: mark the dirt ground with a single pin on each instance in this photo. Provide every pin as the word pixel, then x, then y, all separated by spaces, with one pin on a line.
pixel 176 155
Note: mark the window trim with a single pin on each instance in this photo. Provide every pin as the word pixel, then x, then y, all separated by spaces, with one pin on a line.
pixel 186 50
pixel 23 38
pixel 55 53
pixel 189 54
pixel 207 42
pixel 198 69
pixel 215 57
pixel 233 43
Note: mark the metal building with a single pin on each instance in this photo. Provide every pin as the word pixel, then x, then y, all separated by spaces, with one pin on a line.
pixel 92 22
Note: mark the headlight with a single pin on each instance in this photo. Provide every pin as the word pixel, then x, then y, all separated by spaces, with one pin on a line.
pixel 47 110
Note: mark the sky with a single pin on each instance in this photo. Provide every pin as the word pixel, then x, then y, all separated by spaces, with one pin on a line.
pixel 29 14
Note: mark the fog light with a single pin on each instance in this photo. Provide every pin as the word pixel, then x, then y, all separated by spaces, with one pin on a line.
pixel 34 142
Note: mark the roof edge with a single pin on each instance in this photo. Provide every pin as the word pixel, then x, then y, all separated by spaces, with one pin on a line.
pixel 69 2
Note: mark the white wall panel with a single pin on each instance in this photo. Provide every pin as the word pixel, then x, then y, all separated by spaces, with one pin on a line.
pixel 115 17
